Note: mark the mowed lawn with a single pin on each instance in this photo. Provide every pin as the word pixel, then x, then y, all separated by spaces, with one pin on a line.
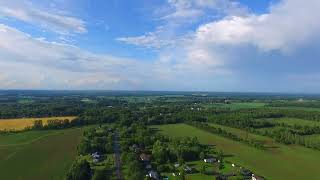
pixel 21 123
pixel 284 162
pixel 38 155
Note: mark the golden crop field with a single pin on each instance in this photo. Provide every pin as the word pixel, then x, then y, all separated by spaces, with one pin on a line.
pixel 21 123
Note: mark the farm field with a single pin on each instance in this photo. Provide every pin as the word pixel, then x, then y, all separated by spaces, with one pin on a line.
pixel 237 105
pixel 269 163
pixel 246 105
pixel 38 154
pixel 295 121
pixel 268 142
pixel 21 123
pixel 297 108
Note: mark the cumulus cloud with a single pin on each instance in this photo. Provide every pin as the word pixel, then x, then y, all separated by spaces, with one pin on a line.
pixel 182 9
pixel 288 25
pixel 54 21
pixel 151 40
pixel 32 60
pixel 34 63
pixel 192 58
pixel 176 15
pixel 211 49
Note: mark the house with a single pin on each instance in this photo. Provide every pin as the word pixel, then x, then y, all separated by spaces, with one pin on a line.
pixel 246 172
pixel 209 160
pixel 187 169
pixel 153 175
pixel 176 174
pixel 227 101
pixel 233 165
pixel 145 157
pixel 135 148
pixel 96 157
pixel 255 177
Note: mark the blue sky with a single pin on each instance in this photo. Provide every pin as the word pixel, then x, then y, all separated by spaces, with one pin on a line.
pixel 195 45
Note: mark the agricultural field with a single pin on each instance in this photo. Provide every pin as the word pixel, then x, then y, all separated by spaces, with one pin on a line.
pixel 298 108
pixel 268 142
pixel 269 163
pixel 38 154
pixel 238 105
pixel 296 121
pixel 22 123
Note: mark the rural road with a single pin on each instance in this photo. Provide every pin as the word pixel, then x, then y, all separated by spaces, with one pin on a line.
pixel 117 153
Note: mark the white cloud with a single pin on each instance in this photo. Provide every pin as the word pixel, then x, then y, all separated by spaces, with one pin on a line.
pixel 30 62
pixel 29 13
pixel 152 40
pixel 233 30
pixel 188 9
pixel 289 24
pixel 178 14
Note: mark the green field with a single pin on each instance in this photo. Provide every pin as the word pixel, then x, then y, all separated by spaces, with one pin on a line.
pixel 297 108
pixel 295 121
pixel 246 105
pixel 38 154
pixel 268 142
pixel 280 162
pixel 237 105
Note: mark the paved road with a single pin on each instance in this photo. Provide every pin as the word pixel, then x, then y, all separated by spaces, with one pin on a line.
pixel 117 154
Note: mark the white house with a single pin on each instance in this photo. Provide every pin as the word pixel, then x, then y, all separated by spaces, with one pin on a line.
pixel 176 174
pixel 209 160
pixel 255 177
pixel 153 175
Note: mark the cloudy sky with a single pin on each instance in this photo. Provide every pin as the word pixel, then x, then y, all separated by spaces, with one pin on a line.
pixel 195 45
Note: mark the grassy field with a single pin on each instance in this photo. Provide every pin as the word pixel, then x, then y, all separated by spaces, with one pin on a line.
pixel 38 154
pixel 293 121
pixel 237 105
pixel 282 162
pixel 21 123
pixel 246 105
pixel 268 142
pixel 298 108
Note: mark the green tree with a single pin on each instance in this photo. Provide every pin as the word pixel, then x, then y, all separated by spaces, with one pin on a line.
pixel 202 155
pixel 135 170
pixel 80 170
pixel 101 174
pixel 159 152
pixel 203 169
pixel 84 147
pixel 37 124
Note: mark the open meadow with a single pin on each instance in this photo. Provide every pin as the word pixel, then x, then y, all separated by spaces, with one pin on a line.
pixel 279 162
pixel 296 121
pixel 38 155
pixel 21 123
